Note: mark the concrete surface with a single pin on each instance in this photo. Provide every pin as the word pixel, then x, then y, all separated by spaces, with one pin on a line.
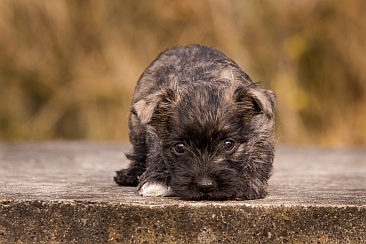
pixel 58 192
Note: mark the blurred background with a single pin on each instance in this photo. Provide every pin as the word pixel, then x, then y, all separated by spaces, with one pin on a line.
pixel 68 68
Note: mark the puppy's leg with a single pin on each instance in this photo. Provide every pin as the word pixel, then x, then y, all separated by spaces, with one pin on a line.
pixel 257 172
pixel 252 191
pixel 129 176
pixel 155 181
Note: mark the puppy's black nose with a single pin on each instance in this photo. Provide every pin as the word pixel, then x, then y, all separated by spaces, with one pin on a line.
pixel 205 185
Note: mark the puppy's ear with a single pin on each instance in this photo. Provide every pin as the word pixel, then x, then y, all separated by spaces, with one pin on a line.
pixel 145 108
pixel 255 99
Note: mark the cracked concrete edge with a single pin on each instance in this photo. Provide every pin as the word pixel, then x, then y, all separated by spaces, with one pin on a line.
pixel 97 222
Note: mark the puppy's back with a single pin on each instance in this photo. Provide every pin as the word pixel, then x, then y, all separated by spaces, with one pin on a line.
pixel 186 64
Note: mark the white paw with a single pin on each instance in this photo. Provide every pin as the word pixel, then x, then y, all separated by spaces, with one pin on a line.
pixel 155 190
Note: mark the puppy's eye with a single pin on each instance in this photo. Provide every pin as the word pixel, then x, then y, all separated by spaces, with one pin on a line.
pixel 179 147
pixel 229 145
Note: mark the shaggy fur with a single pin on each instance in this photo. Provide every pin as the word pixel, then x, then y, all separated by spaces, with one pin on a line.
pixel 200 129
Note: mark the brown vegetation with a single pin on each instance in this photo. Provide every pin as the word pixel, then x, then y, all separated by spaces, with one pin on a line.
pixel 68 68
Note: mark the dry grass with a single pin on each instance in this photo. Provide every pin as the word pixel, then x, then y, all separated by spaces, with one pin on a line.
pixel 68 68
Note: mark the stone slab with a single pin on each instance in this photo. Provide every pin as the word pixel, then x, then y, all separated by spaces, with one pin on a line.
pixel 53 192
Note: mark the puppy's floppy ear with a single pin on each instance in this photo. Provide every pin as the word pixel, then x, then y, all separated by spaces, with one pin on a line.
pixel 257 99
pixel 145 108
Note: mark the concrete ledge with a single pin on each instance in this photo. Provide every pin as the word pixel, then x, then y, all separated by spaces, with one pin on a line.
pixel 63 192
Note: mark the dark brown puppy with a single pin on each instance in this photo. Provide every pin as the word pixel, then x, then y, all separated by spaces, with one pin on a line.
pixel 200 129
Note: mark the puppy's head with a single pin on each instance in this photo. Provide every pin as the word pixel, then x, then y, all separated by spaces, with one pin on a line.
pixel 207 135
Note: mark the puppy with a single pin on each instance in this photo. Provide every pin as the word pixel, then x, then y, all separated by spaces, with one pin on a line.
pixel 200 129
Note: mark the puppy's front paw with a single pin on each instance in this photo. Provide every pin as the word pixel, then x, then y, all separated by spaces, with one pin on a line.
pixel 253 193
pixel 126 178
pixel 155 190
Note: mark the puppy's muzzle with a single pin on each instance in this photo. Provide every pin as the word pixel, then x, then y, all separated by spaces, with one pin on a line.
pixel 205 185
